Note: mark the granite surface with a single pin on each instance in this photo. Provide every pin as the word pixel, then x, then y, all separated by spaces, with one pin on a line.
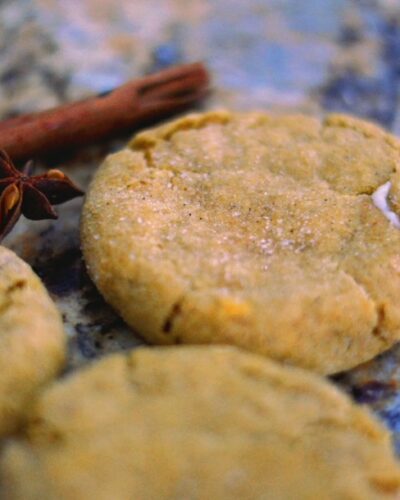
pixel 285 55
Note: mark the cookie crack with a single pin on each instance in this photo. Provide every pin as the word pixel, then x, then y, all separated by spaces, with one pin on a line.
pixel 146 141
pixel 148 158
pixel 367 130
pixel 174 312
pixel 376 330
pixel 9 292
pixel 149 139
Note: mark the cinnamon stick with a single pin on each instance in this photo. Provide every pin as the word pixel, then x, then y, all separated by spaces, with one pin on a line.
pixel 96 118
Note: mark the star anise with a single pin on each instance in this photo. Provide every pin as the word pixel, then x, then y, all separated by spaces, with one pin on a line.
pixel 32 196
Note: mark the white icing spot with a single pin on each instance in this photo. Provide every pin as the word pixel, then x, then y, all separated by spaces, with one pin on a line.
pixel 379 197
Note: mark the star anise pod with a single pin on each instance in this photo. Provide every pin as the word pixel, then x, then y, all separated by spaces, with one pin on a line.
pixel 32 196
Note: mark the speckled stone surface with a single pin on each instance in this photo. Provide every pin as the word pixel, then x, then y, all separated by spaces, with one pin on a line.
pixel 285 55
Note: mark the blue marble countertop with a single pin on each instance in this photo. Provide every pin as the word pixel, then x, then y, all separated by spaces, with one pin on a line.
pixel 285 55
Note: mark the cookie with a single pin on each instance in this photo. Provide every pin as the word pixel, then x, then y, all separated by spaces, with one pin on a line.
pixel 198 422
pixel 253 230
pixel 32 341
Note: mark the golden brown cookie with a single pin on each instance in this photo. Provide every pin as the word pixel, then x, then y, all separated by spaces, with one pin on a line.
pixel 198 423
pixel 32 341
pixel 253 230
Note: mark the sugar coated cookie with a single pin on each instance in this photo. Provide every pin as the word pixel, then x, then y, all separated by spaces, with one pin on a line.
pixel 198 423
pixel 271 233
pixel 32 341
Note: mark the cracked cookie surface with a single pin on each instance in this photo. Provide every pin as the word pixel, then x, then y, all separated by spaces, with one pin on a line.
pixel 198 422
pixel 253 230
pixel 32 341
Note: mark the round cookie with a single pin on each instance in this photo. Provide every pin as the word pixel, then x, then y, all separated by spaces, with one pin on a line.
pixel 32 341
pixel 253 230
pixel 198 422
